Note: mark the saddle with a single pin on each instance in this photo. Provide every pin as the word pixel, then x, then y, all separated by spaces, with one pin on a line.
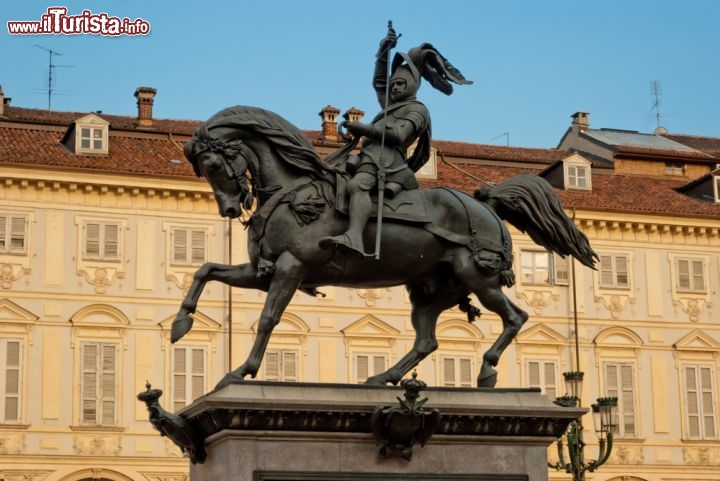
pixel 406 205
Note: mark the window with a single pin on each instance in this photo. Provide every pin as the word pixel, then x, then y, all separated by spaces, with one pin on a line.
pixel 10 379
pixel 456 371
pixel 577 176
pixel 281 365
pixel 98 379
pixel 188 374
pixel 102 240
pixel 543 268
pixel 674 168
pixel 614 271
pixel 690 275
pixel 92 138
pixel 700 402
pixel 188 246
pixel 543 374
pixel 367 365
pixel 619 383
pixel 12 234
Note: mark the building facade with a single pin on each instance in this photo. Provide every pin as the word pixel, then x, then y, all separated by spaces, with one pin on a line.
pixel 103 223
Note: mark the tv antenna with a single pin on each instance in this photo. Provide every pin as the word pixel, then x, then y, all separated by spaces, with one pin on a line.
pixel 507 138
pixel 657 92
pixel 51 68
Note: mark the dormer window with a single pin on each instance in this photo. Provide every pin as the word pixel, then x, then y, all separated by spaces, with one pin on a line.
pixel 577 173
pixel 92 138
pixel 716 187
pixel 88 135
pixel 578 177
pixel 674 168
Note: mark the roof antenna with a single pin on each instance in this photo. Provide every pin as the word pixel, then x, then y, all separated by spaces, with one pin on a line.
pixel 507 138
pixel 657 92
pixel 51 67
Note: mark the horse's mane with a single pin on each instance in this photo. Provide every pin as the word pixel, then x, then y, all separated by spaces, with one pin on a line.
pixel 289 141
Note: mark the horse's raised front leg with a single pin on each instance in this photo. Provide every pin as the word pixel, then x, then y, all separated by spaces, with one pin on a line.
pixel 426 308
pixel 242 275
pixel 289 273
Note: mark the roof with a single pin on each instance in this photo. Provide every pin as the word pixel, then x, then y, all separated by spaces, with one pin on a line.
pixel 32 137
pixel 709 145
pixel 610 191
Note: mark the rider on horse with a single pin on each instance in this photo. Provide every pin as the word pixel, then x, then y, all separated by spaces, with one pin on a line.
pixel 402 121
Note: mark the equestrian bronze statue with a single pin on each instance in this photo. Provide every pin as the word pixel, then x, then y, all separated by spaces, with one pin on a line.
pixel 312 217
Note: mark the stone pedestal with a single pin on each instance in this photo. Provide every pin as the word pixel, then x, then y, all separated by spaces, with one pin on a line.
pixel 263 431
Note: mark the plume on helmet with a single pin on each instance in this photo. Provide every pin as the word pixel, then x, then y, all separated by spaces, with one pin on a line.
pixel 432 66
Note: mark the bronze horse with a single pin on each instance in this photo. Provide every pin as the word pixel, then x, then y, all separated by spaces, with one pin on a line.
pixel 464 247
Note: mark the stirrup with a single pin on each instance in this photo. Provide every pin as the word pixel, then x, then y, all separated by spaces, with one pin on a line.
pixel 344 244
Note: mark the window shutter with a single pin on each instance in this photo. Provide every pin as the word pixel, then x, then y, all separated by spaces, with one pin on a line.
pixel 272 365
pixel 12 382
pixel 448 371
pixel 179 245
pixel 378 364
pixel 361 368
pixel 628 400
pixel 197 254
pixel 691 394
pixel 550 388
pixel 179 377
pixel 533 374
pixel 561 266
pixel 92 239
pixel 621 271
pixel 606 275
pixel 707 402
pixel 465 372
pixel 198 372
pixel 698 282
pixel 4 244
pixel 107 395
pixel 17 234
pixel 89 388
pixel 111 241
pixel 289 365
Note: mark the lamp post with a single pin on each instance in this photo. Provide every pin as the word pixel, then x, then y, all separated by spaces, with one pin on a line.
pixel 604 422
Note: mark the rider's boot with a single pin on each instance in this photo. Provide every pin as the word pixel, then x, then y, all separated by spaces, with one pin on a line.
pixel 351 242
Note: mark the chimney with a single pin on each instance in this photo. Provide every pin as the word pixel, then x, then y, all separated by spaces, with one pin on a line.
pixel 329 115
pixel 3 102
pixel 580 121
pixel 353 115
pixel 145 98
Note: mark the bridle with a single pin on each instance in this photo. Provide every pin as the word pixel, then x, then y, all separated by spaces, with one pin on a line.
pixel 228 151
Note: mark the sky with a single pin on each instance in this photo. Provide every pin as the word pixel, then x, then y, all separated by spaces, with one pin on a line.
pixel 533 63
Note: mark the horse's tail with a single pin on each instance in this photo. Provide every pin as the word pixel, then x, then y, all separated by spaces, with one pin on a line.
pixel 529 203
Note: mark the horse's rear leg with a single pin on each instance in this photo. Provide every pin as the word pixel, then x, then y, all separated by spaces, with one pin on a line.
pixel 242 275
pixel 513 318
pixel 426 308
pixel 489 292
pixel 289 273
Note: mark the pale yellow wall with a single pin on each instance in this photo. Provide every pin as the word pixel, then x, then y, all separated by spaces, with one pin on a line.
pixel 53 287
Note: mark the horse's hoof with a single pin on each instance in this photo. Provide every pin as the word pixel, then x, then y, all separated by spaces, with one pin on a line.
pixel 376 381
pixel 487 376
pixel 180 326
pixel 229 378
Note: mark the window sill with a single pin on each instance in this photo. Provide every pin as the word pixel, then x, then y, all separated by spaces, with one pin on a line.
pixel 14 427
pixel 97 427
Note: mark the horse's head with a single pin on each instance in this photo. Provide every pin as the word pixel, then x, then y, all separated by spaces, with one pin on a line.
pixel 223 164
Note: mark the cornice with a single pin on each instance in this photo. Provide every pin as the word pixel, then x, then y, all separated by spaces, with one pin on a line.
pixel 114 185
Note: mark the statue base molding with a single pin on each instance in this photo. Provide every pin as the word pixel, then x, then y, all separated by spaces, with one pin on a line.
pixel 265 431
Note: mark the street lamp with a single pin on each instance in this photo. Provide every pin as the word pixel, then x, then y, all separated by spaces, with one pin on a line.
pixel 604 421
